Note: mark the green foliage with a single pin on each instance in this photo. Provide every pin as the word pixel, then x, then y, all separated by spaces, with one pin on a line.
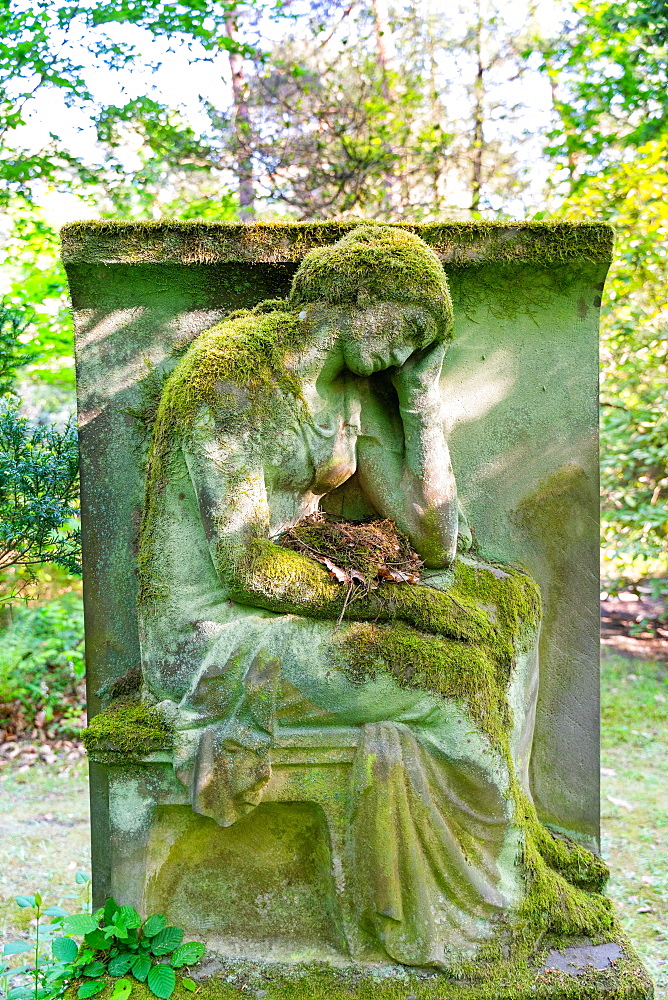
pixel 116 944
pixel 42 662
pixel 175 174
pixel 37 297
pixel 12 352
pixel 608 70
pixel 36 52
pixel 39 475
pixel 609 67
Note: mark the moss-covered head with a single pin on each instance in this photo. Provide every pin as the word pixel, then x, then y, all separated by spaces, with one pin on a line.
pixel 376 263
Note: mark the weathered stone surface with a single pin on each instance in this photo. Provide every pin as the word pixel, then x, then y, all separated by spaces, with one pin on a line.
pixel 218 599
pixel 576 960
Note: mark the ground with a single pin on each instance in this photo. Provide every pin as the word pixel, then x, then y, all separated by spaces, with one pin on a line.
pixel 44 813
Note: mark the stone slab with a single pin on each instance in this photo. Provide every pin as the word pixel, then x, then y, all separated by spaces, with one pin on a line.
pixel 520 402
pixel 623 979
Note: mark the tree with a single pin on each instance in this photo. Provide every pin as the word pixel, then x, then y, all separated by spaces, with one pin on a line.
pixel 609 73
pixel 610 145
pixel 348 114
pixel 38 51
pixel 38 494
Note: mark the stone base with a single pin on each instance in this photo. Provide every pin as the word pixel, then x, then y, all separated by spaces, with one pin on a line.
pixel 611 971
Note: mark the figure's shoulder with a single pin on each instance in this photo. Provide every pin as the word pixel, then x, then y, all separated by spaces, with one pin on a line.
pixel 234 367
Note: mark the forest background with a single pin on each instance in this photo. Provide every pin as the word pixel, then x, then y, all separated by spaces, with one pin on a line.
pixel 313 109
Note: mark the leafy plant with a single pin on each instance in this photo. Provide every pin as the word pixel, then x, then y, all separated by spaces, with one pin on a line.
pixel 42 665
pixel 116 943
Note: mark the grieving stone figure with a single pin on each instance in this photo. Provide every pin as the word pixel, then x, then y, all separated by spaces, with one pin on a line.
pixel 331 399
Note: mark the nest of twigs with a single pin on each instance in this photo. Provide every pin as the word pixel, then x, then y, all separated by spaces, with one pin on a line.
pixel 360 555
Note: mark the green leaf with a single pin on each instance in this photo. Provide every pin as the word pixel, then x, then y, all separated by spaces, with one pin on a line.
pixel 91 988
pixel 167 940
pixel 55 911
pixel 17 947
pixel 187 954
pixel 79 923
pixel 161 981
pixel 81 878
pixel 129 917
pixel 110 908
pixel 154 925
pixel 120 965
pixel 94 969
pixel 25 901
pixel 65 949
pixel 189 984
pixel 140 967
pixel 97 940
pixel 122 990
pixel 38 899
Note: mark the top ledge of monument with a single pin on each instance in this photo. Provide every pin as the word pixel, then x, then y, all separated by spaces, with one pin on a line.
pixel 461 244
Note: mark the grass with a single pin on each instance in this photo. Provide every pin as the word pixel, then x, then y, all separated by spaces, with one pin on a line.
pixel 44 817
pixel 634 803
pixel 44 838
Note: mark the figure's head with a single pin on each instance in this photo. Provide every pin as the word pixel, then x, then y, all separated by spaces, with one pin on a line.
pixel 386 290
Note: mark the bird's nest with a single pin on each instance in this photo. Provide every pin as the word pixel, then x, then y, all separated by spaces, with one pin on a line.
pixel 359 554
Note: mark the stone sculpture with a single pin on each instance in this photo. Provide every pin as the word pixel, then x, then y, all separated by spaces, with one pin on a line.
pixel 343 739
pixel 330 400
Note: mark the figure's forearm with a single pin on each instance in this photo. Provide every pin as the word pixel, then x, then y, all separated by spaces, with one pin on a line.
pixel 415 487
pixel 268 576
pixel 264 575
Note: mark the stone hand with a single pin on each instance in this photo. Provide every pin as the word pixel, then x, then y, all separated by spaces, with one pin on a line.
pixel 416 381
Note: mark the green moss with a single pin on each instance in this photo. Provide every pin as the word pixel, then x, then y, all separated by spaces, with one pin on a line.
pixel 459 671
pixel 248 353
pixel 127 730
pixel 465 652
pixel 376 263
pixel 487 617
pixel 462 244
pixel 627 980
pixel 237 370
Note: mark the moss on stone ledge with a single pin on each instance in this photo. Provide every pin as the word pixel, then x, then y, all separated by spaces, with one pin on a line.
pixel 127 730
pixel 626 980
pixel 459 243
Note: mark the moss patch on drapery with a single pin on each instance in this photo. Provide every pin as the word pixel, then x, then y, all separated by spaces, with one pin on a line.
pixel 127 731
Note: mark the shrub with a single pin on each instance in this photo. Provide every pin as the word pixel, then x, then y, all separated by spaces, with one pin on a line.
pixel 42 665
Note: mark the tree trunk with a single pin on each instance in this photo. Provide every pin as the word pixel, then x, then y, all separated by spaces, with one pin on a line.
pixel 384 53
pixel 242 128
pixel 384 41
pixel 478 116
